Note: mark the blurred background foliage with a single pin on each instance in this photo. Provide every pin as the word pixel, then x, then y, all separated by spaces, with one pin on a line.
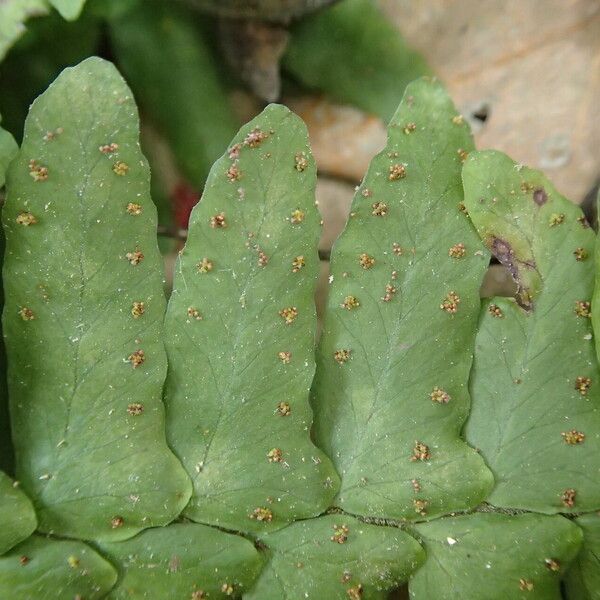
pixel 523 74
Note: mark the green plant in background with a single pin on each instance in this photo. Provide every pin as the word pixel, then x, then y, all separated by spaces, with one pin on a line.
pixel 174 55
pixel 394 376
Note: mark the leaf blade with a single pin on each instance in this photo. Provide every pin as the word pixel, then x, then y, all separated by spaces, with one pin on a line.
pixel 181 559
pixel 390 394
pixel 487 555
pixel 86 367
pixel 46 569
pixel 17 517
pixel 539 390
pixel 306 561
pixel 583 579
pixel 240 333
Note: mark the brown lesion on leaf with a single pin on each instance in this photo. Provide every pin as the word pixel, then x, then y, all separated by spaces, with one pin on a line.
pixel 263 259
pixel 138 308
pixel 26 314
pixel 390 292
pixel 450 303
pixel 580 254
pixel 583 308
pixel 205 265
pixel 396 172
pixel 462 154
pixel 50 136
pixel 350 303
pixel 135 257
pixel 117 522
pixel 134 209
pixel 355 592
pixel 285 357
pixel 38 172
pixel 341 356
pixel 298 263
pixel 300 162
pixel 340 534
pixel 457 251
pixel 275 455
pixel 583 222
pixel 137 358
pixel 573 437
pixel 262 514
pixel 297 217
pixel 583 384
pixel 283 409
pixel 552 564
pixel 420 452
pixel 495 311
pixel 194 314
pixel 568 497
pixel 366 261
pixel 218 221
pixel 255 138
pixel 379 209
pixel 420 506
pixel 120 168
pixel 26 219
pixel 525 585
pixel 556 219
pixel 135 409
pixel 289 314
pixel 227 589
pixel 503 251
pixel 440 396
pixel 233 173
pixel 540 197
pixel 109 148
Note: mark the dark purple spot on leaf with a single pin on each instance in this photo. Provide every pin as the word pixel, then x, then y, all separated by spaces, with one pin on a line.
pixel 539 196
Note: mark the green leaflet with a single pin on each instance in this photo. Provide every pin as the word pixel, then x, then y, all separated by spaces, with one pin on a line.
pixel 173 74
pixel 240 333
pixel 535 386
pixel 390 394
pixel 83 315
pixel 485 556
pixel 583 580
pixel 352 52
pixel 69 9
pixel 335 557
pixel 8 150
pixel 178 560
pixel 13 14
pixel 46 569
pixel 17 519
